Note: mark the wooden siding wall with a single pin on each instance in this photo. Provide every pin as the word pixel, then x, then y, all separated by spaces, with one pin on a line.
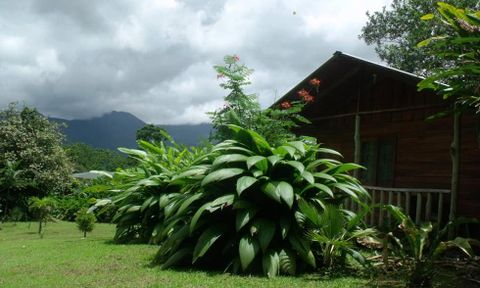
pixel 422 156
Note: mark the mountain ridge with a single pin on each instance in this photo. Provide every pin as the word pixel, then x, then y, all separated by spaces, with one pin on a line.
pixel 118 129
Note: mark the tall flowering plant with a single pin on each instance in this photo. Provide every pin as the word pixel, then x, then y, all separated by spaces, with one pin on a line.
pixel 240 108
pixel 275 124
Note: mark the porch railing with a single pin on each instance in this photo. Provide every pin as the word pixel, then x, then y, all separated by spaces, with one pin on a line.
pixel 421 204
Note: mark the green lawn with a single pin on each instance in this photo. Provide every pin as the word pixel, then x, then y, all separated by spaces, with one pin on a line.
pixel 63 259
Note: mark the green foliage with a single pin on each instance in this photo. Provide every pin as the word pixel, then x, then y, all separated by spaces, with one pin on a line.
pixel 42 209
pixel 85 221
pixel 275 123
pixel 32 161
pixel 422 245
pixel 458 49
pixel 241 210
pixel 336 232
pixel 86 158
pixel 396 31
pixel 141 195
pixel 152 133
pixel 240 108
pixel 84 196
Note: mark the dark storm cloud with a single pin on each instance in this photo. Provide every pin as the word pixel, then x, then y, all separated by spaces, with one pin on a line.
pixel 78 59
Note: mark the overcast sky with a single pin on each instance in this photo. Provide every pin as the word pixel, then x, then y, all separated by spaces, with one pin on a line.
pixel 79 59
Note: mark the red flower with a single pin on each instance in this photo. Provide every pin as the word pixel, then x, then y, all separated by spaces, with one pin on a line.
pixel 302 93
pixel 220 75
pixel 309 98
pixel 315 82
pixel 286 105
pixel 236 58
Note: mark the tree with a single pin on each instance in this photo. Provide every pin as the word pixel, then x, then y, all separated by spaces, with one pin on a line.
pixel 243 109
pixel 85 221
pixel 460 48
pixel 85 158
pixel 395 33
pixel 34 146
pixel 42 209
pixel 152 133
pixel 240 108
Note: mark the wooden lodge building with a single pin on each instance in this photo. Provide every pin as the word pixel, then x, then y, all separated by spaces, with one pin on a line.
pixel 375 116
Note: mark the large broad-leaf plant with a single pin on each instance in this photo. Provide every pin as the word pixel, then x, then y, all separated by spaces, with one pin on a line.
pixel 244 215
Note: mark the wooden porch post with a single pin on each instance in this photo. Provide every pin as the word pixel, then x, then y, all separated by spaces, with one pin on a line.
pixel 358 144
pixel 357 139
pixel 455 154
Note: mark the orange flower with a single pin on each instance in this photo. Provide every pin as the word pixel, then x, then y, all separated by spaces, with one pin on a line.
pixel 302 93
pixel 315 82
pixel 286 105
pixel 309 98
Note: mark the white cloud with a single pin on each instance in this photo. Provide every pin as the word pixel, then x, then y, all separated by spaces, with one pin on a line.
pixel 78 59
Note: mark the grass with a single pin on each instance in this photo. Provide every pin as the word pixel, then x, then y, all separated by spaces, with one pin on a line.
pixel 63 259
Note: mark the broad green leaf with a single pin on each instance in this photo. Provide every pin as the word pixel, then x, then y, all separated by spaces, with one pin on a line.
pixel 245 182
pixel 206 240
pixel 347 167
pixel 329 151
pixel 258 161
pixel 285 191
pixel 307 176
pixel 325 176
pixel 197 215
pixel 134 152
pixel 265 230
pixel 177 257
pixel 302 249
pixel 347 189
pixel 146 203
pixel 229 158
pixel 270 189
pixel 243 217
pixel 299 145
pixel 247 250
pixel 297 165
pixel 271 264
pixel 221 174
pixel 284 150
pixel 274 159
pixel 192 171
pixel 188 202
pixel 288 262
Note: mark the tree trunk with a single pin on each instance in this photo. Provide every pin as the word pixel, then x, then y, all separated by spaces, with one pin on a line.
pixel 84 234
pixel 40 226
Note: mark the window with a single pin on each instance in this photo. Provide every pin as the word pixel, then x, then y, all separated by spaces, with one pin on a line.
pixel 378 156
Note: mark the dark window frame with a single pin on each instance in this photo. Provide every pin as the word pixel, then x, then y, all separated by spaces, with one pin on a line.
pixel 372 176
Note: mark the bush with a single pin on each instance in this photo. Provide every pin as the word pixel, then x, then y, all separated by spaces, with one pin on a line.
pixel 243 209
pixel 139 193
pixel 85 221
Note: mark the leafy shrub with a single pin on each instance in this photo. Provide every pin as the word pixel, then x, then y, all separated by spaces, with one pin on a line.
pixel 139 194
pixel 336 232
pixel 241 210
pixel 84 196
pixel 85 221
pixel 421 245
